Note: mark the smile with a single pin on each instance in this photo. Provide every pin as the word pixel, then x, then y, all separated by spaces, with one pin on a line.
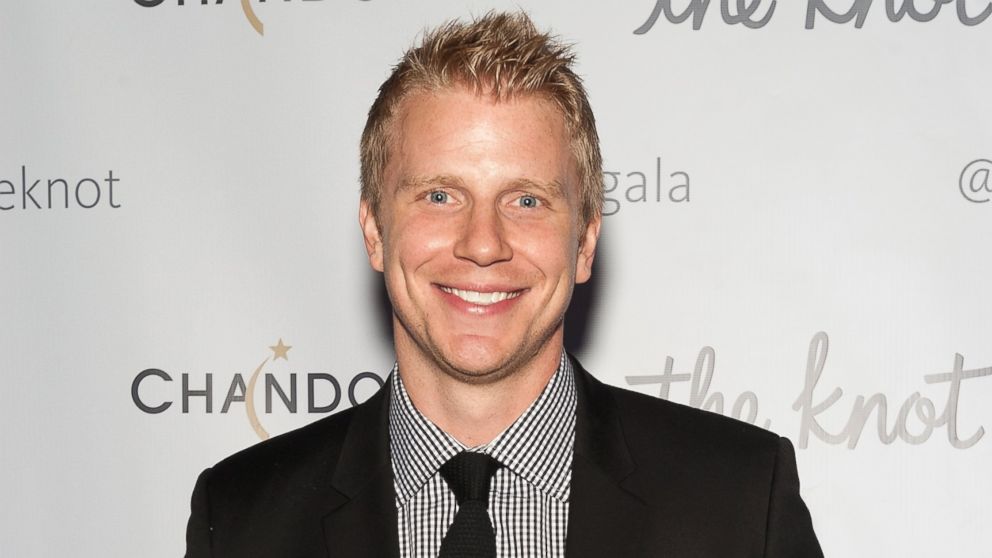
pixel 480 298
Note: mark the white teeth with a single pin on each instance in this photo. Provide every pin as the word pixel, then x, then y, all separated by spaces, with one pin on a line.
pixel 482 299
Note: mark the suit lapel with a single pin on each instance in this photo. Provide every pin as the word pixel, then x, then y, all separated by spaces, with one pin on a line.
pixel 363 520
pixel 605 519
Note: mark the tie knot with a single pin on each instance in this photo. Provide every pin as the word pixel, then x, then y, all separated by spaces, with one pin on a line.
pixel 468 474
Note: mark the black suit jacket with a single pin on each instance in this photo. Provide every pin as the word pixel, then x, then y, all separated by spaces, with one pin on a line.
pixel 650 478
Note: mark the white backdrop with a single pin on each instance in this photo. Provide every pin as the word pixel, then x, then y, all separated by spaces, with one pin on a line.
pixel 775 188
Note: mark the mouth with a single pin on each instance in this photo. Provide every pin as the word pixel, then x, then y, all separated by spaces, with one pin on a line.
pixel 482 298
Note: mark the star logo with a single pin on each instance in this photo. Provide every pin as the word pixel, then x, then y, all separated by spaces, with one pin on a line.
pixel 279 350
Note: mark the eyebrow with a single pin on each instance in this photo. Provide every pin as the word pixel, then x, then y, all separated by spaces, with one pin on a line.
pixel 417 182
pixel 553 189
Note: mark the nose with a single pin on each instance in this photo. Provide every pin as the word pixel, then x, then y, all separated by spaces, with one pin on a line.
pixel 482 239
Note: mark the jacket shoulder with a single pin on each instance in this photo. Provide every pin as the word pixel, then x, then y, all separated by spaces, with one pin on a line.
pixel 313 447
pixel 710 473
pixel 271 499
pixel 704 484
pixel 688 425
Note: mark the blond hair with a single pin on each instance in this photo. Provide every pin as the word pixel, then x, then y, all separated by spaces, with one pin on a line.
pixel 502 55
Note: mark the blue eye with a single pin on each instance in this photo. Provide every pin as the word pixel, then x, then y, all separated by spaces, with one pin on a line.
pixel 438 197
pixel 528 202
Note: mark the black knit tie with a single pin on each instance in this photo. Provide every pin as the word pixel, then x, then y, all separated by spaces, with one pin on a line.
pixel 471 535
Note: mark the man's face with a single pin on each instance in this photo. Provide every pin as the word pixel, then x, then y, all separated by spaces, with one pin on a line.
pixel 478 232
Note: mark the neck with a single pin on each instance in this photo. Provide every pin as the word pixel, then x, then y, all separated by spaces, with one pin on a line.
pixel 473 413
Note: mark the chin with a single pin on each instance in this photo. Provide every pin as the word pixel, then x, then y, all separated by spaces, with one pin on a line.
pixel 477 364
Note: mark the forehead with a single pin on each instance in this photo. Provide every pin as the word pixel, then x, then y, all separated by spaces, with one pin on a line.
pixel 456 127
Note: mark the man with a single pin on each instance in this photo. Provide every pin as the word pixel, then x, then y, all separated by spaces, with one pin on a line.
pixel 481 197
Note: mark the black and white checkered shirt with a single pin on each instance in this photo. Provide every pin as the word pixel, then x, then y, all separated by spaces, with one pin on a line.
pixel 528 498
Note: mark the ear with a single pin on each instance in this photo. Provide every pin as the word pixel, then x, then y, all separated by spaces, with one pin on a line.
pixel 373 237
pixel 587 249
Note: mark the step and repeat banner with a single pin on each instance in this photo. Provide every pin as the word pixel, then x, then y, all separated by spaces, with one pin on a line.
pixel 799 215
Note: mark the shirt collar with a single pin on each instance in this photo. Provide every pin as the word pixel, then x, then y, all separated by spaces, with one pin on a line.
pixel 537 446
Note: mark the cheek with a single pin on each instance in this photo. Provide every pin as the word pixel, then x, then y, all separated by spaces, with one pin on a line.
pixel 549 248
pixel 418 240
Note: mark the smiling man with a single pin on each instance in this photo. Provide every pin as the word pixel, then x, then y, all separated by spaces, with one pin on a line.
pixel 481 236
pixel 481 205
